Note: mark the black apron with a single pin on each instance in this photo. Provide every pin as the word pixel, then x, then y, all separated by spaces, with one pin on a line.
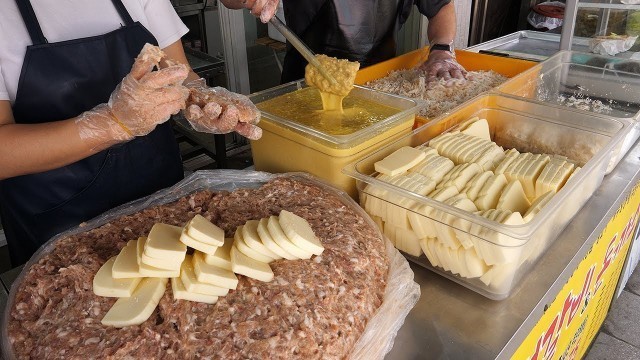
pixel 60 81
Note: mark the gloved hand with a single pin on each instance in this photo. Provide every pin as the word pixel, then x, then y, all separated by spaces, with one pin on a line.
pixel 219 111
pixel 443 65
pixel 264 9
pixel 143 99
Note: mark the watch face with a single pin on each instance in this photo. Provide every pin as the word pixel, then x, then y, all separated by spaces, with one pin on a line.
pixel 445 47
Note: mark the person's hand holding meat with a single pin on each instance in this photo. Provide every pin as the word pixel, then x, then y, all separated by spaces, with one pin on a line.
pixel 218 111
pixel 144 99
pixel 443 65
pixel 262 9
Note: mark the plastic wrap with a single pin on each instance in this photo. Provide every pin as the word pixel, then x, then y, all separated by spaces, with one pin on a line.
pixel 401 293
pixel 611 45
pixel 547 15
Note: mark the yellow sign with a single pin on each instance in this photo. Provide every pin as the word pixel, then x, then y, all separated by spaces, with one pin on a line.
pixel 573 319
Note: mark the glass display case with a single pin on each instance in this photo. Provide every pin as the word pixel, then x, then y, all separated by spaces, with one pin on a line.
pixel 605 27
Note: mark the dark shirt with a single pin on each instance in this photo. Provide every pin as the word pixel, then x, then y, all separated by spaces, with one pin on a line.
pixel 358 30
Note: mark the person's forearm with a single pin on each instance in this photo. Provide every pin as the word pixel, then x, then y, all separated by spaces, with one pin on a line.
pixel 442 27
pixel 31 148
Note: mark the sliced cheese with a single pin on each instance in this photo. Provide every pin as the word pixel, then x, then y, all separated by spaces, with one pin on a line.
pixel 222 257
pixel 191 283
pixel 537 206
pixel 181 293
pixel 409 242
pixel 206 248
pixel 460 175
pixel 204 231
pixel 238 241
pixel 105 285
pixel 475 266
pixel 212 274
pixel 479 128
pixel 137 308
pixel 490 193
pixel 252 239
pixel 300 232
pixel 270 243
pixel 473 187
pixel 278 235
pixel 244 265
pixel 163 242
pixel 399 161
pixel 126 264
pixel 152 271
pixel 513 198
pixel 434 167
pixel 145 259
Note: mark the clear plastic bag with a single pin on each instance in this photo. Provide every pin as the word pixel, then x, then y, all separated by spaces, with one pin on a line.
pixel 540 21
pixel 400 296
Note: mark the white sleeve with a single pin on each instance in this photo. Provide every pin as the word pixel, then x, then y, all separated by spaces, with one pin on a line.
pixel 4 93
pixel 164 23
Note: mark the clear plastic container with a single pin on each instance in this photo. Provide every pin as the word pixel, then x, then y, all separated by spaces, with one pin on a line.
pixel 507 251
pixel 591 83
pixel 288 145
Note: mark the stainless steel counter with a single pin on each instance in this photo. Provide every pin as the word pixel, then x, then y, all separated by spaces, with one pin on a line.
pixel 452 322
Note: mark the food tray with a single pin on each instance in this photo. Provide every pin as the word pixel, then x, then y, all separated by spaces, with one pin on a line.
pixel 469 60
pixel 589 83
pixel 529 127
pixel 289 146
pixel 401 293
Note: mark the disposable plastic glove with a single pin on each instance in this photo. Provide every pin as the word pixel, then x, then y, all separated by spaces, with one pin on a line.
pixel 219 111
pixel 264 9
pixel 144 99
pixel 443 65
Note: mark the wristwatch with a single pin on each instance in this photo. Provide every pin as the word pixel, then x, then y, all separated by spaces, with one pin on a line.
pixel 445 47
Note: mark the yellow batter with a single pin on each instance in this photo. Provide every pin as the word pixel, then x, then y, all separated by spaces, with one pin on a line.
pixel 305 107
pixel 332 94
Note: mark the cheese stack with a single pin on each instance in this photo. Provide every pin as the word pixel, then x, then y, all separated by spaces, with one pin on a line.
pixel 259 242
pixel 463 168
pixel 139 274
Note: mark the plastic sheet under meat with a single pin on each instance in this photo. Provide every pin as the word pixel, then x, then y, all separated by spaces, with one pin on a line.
pixel 400 296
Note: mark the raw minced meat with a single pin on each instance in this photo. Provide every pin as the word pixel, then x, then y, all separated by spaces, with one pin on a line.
pixel 313 309
pixel 438 97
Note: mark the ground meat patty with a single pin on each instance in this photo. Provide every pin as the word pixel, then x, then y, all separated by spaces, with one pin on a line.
pixel 313 308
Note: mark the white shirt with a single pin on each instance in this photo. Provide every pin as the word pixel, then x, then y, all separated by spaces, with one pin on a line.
pixel 62 20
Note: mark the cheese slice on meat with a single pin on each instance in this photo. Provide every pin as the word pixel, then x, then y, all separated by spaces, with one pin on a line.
pixel 181 293
pixel 222 257
pixel 137 308
pixel 278 235
pixel 253 240
pixel 191 283
pixel 105 285
pixel 300 232
pixel 196 244
pixel 212 274
pixel 238 242
pixel 244 265
pixel 269 242
pixel 204 231
pixel 163 242
pixel 126 263
pixel 144 259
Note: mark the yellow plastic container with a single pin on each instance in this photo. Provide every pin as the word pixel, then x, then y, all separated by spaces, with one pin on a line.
pixel 469 60
pixel 288 146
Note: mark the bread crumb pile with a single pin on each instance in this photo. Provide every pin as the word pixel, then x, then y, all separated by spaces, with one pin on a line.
pixel 438 96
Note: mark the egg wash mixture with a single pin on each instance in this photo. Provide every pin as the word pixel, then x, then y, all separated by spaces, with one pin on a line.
pixel 305 107
pixel 332 93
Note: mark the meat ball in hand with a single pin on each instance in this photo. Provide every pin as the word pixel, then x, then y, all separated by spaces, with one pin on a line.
pixel 217 110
